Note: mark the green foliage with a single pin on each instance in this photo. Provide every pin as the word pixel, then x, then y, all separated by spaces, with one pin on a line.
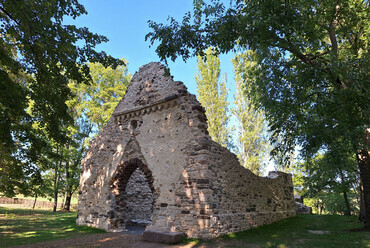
pixel 331 202
pixel 38 56
pixel 91 108
pixel 58 168
pixel 251 144
pixel 212 94
pixel 96 101
pixel 331 182
pixel 313 56
pixel 325 172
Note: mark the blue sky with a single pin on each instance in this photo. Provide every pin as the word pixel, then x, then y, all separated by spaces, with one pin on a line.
pixel 125 23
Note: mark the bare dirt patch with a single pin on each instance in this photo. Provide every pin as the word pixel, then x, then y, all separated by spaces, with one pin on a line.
pixel 318 231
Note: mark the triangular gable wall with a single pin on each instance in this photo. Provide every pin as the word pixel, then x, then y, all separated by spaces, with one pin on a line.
pixel 199 187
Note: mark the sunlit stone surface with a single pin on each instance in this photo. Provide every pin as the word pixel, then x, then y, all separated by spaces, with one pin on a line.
pixel 155 165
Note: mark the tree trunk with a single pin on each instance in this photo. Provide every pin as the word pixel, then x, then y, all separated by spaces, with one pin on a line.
pixel 55 194
pixel 55 201
pixel 361 217
pixel 358 194
pixel 64 200
pixel 364 165
pixel 34 202
pixel 321 208
pixel 363 161
pixel 346 201
pixel 67 203
pixel 56 183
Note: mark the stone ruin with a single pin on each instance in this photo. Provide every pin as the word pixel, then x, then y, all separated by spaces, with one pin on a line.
pixel 300 208
pixel 155 165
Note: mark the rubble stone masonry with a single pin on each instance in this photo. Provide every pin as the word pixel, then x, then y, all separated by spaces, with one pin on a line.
pixel 154 164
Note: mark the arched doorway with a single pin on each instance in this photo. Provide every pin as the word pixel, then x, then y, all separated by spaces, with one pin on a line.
pixel 132 185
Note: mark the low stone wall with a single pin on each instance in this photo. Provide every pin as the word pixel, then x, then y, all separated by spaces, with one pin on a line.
pixel 220 196
pixel 242 200
pixel 30 202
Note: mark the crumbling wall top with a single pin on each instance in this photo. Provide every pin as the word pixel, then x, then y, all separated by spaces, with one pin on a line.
pixel 148 86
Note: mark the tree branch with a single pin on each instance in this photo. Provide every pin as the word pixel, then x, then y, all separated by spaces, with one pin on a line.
pixel 319 55
pixel 332 29
pixel 291 48
pixel 333 39
pixel 9 15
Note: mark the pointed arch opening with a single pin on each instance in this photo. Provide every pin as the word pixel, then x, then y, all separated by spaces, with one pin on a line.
pixel 132 185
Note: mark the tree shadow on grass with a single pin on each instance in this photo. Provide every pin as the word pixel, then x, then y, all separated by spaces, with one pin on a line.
pixel 20 226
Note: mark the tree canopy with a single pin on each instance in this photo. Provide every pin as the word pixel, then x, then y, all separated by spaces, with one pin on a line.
pixel 251 142
pixel 96 101
pixel 313 80
pixel 212 94
pixel 39 54
pixel 333 173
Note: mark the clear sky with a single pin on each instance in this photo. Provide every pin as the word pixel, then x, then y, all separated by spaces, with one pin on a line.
pixel 125 23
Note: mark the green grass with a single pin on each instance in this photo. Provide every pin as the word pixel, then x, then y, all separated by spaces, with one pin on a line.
pixel 20 226
pixel 293 232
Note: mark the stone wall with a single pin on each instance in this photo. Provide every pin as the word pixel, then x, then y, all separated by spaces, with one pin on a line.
pixel 197 187
pixel 138 200
pixel 30 202
pixel 224 197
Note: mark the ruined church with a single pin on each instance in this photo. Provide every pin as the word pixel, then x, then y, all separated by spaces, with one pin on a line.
pixel 155 165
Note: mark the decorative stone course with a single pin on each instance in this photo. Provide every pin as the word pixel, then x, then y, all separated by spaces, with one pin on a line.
pixel 154 163
pixel 165 103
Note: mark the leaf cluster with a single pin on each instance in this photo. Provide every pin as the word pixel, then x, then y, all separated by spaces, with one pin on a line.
pixel 39 54
pixel 212 94
pixel 314 57
pixel 251 142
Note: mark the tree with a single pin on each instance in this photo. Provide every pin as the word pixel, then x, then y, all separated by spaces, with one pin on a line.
pixel 251 144
pixel 212 94
pixel 313 80
pixel 73 155
pixel 323 176
pixel 91 108
pixel 35 42
pixel 96 102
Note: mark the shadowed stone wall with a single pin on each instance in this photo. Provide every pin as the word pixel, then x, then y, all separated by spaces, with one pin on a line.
pixel 138 200
pixel 157 143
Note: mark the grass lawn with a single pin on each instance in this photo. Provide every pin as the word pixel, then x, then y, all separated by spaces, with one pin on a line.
pixel 294 232
pixel 19 226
